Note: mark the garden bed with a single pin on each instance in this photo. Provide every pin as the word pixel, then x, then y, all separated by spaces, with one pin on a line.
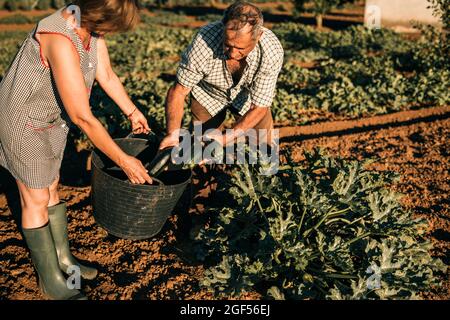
pixel 162 268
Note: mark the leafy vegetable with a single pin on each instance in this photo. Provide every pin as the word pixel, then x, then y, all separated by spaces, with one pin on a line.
pixel 327 230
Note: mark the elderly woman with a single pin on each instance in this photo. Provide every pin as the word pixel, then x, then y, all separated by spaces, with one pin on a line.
pixel 47 85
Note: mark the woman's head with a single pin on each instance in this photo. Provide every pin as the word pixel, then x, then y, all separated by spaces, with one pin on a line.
pixel 108 16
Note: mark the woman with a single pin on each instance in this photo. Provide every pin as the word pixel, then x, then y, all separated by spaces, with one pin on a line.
pixel 51 78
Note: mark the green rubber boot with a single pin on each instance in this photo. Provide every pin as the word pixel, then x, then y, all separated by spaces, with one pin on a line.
pixel 58 225
pixel 43 253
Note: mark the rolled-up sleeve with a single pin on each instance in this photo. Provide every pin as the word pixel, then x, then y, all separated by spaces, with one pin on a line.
pixel 265 83
pixel 192 67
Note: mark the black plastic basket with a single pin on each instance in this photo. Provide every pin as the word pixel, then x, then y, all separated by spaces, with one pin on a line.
pixel 133 211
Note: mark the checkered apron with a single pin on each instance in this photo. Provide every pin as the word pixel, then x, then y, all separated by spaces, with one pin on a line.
pixel 33 126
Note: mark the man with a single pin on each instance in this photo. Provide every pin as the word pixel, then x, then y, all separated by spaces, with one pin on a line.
pixel 231 64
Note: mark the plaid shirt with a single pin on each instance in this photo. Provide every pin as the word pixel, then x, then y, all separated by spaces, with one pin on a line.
pixel 203 69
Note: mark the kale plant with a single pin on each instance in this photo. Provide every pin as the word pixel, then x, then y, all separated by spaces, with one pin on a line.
pixel 328 230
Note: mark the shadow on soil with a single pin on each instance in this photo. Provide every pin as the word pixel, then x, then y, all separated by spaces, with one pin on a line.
pixel 8 186
pixel 366 128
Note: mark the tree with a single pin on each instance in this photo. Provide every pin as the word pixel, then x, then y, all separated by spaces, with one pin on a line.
pixel 319 7
pixel 441 8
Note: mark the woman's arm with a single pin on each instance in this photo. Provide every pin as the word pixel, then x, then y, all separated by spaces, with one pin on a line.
pixel 64 62
pixel 111 84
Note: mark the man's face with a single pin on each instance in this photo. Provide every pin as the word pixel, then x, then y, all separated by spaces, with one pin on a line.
pixel 238 44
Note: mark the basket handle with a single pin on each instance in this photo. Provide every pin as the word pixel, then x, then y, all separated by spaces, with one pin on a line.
pixel 131 134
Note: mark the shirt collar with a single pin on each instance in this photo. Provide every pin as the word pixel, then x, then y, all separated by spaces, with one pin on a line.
pixel 253 54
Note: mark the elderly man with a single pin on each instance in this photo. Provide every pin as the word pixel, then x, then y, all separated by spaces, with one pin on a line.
pixel 233 65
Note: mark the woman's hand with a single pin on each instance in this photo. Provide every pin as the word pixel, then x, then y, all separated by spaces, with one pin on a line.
pixel 139 123
pixel 135 171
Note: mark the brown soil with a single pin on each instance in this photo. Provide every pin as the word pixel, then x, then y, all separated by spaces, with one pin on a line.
pixel 283 7
pixel 158 268
pixel 194 24
pixel 305 64
pixel 32 13
pixel 21 27
pixel 17 27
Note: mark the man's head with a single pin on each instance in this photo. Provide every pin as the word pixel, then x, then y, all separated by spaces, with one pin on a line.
pixel 243 29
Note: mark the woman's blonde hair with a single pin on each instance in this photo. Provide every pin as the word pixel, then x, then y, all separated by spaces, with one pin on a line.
pixel 108 16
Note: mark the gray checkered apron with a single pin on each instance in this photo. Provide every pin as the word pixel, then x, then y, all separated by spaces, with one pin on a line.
pixel 33 126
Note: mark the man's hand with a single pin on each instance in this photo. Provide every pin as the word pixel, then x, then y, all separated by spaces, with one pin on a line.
pixel 218 137
pixel 170 140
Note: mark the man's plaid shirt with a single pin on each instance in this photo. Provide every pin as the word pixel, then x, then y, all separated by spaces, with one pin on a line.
pixel 203 69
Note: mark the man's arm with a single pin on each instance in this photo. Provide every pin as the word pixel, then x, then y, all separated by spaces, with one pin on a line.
pixel 174 114
pixel 190 72
pixel 248 121
pixel 175 107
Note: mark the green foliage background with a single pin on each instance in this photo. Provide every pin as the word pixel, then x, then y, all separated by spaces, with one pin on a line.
pixel 349 73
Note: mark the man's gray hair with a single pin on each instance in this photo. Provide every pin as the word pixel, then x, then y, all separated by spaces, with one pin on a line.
pixel 241 13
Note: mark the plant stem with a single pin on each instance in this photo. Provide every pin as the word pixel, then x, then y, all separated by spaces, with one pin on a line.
pixel 326 216
pixel 252 188
pixel 336 213
pixel 359 219
pixel 333 274
pixel 338 219
pixel 301 220
pixel 358 238
pixel 319 21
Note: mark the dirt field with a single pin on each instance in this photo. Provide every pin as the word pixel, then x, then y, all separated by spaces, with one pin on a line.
pixel 162 268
